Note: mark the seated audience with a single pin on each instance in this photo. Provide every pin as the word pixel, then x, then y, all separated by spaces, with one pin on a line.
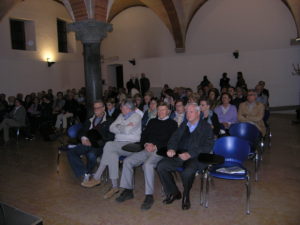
pixel 264 99
pixel 94 134
pixel 16 118
pixel 154 139
pixel 111 110
pixel 138 101
pixel 69 110
pixel 239 97
pixel 241 81
pixel 213 95
pixel 151 113
pixel 252 111
pixel 210 116
pixel 34 113
pixel 58 103
pixel 192 138
pixel 127 129
pixel 179 114
pixel 147 98
pixel 226 112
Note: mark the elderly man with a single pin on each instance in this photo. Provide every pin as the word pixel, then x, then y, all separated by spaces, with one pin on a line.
pixel 94 134
pixel 192 138
pixel 16 118
pixel 154 139
pixel 252 111
pixel 127 129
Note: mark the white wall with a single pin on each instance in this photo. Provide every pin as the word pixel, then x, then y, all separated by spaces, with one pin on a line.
pixel 27 71
pixel 260 29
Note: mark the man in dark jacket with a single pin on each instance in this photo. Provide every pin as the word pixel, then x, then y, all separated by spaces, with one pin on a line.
pixel 94 134
pixel 190 139
pixel 154 139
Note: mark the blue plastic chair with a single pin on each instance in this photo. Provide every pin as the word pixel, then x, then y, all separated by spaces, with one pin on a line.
pixel 250 133
pixel 73 130
pixel 235 151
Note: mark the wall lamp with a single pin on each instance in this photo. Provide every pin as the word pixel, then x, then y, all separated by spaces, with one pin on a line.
pixel 132 61
pixel 49 62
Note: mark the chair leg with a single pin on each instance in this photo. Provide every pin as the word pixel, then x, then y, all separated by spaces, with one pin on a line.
pixel 207 178
pixel 57 161
pixel 256 162
pixel 201 187
pixel 248 192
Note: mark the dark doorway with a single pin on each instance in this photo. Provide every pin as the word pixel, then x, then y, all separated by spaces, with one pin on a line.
pixel 119 76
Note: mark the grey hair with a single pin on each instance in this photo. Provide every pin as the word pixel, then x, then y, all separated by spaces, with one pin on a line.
pixel 196 106
pixel 129 104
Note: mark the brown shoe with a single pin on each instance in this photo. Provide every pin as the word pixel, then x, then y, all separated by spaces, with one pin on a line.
pixel 91 183
pixel 111 193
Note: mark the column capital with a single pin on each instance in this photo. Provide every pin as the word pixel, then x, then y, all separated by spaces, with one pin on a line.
pixel 90 31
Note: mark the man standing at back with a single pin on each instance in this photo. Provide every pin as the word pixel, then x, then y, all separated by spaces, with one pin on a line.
pixel 145 84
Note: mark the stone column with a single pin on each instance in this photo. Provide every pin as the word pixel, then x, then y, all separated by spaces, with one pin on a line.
pixel 91 33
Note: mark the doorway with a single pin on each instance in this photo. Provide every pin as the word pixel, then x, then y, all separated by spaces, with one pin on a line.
pixel 115 75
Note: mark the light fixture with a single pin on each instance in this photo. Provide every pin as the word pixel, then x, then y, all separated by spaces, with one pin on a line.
pixel 236 54
pixel 132 61
pixel 49 62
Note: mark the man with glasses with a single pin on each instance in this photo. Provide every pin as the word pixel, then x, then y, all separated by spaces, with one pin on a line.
pixel 252 111
pixel 94 134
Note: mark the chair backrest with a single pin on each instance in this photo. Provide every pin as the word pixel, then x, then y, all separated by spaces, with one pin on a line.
pixel 246 131
pixel 232 149
pixel 73 130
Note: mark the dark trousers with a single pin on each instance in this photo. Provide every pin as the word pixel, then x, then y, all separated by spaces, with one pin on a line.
pixel 76 163
pixel 168 165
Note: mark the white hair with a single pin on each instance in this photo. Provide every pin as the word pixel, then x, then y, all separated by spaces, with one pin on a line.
pixel 195 105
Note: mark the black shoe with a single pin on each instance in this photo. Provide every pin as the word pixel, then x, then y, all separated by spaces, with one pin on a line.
pixel 63 148
pixel 148 202
pixel 125 195
pixel 186 204
pixel 171 198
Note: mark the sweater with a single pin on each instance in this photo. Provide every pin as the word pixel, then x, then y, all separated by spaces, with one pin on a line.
pixel 158 132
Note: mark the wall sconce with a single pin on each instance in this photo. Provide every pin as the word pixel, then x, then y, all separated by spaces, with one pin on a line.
pixel 236 54
pixel 49 62
pixel 132 61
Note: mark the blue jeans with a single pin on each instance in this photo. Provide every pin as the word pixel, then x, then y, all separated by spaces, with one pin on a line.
pixel 76 162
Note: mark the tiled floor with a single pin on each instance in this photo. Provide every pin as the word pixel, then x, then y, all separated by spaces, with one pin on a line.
pixel 28 181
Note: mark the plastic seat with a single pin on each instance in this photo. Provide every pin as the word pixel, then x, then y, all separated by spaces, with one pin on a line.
pixel 72 133
pixel 235 151
pixel 250 133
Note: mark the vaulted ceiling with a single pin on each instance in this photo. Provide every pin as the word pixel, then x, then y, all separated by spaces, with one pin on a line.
pixel 175 14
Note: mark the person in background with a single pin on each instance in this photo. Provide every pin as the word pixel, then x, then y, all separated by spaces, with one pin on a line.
pixel 179 114
pixel 210 116
pixel 145 84
pixel 16 118
pixel 224 81
pixel 111 110
pixel 252 111
pixel 151 113
pixel 226 112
